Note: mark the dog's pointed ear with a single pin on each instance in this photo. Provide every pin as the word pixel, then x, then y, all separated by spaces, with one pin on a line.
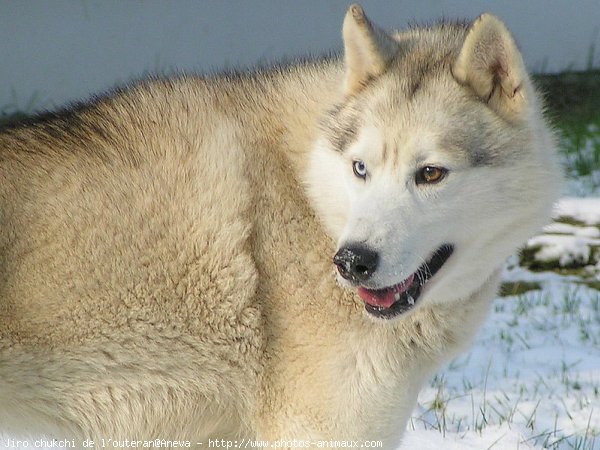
pixel 491 64
pixel 367 49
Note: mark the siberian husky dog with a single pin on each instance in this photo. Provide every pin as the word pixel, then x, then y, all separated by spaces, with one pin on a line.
pixel 285 255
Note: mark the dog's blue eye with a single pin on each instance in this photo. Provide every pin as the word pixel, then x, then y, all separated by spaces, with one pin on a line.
pixel 360 168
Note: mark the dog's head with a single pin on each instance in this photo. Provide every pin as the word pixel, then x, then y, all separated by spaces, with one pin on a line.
pixel 435 165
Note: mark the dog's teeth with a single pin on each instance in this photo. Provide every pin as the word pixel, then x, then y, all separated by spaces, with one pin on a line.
pixel 397 296
pixel 411 300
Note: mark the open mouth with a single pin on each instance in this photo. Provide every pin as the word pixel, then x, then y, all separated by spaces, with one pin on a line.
pixel 392 301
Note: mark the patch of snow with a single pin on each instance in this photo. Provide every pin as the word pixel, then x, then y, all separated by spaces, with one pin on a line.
pixel 567 250
pixel 501 437
pixel 586 210
pixel 565 228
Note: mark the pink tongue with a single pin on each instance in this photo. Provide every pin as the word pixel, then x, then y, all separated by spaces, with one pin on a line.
pixel 385 297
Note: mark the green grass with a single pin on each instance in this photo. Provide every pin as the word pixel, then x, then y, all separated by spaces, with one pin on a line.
pixel 572 98
pixel 509 288
pixel 573 106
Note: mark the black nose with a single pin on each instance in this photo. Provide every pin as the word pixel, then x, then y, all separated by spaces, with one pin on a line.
pixel 356 262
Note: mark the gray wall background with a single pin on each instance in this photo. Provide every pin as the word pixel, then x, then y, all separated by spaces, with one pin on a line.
pixel 52 52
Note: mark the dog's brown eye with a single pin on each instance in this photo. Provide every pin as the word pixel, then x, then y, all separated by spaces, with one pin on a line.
pixel 430 174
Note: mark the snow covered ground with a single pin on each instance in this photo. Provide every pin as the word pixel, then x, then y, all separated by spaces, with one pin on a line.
pixel 532 378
